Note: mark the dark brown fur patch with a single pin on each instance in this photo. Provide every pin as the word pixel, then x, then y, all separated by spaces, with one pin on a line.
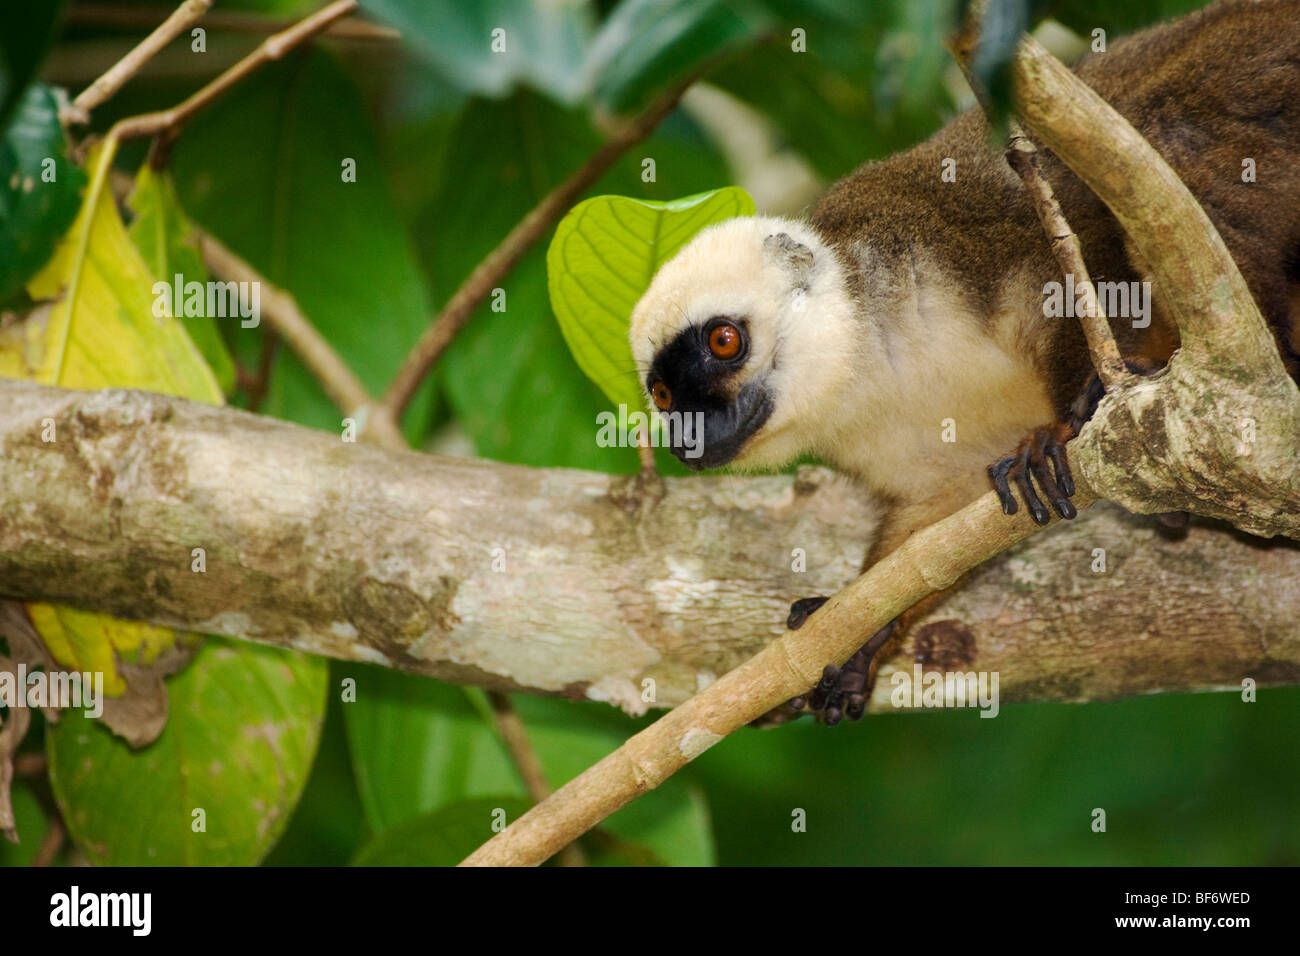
pixel 1208 91
pixel 947 645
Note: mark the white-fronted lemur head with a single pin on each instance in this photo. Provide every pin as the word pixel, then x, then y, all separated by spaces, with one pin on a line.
pixel 750 326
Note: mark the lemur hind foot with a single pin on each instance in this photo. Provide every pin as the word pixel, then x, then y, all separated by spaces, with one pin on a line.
pixel 842 691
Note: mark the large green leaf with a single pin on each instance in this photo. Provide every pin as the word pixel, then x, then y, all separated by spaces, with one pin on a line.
pixel 543 42
pixel 645 46
pixel 444 837
pixel 39 189
pixel 601 261
pixel 419 744
pixel 508 376
pixel 25 36
pixel 336 246
pixel 166 240
pixel 243 727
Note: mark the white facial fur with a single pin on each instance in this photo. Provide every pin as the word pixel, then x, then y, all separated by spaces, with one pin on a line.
pixel 805 344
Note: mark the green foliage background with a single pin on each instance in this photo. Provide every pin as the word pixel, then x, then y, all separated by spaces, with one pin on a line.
pixel 452 147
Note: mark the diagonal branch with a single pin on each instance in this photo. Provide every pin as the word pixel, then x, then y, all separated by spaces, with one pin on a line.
pixel 181 19
pixel 1106 359
pixel 165 125
pixel 501 260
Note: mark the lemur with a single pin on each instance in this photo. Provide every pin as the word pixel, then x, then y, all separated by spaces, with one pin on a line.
pixel 905 300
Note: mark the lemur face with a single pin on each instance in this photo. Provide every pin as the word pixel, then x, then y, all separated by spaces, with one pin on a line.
pixel 723 345
pixel 693 381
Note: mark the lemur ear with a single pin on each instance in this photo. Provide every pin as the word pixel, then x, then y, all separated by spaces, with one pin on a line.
pixel 790 254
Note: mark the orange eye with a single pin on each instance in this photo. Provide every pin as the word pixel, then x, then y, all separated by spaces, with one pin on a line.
pixel 724 341
pixel 663 398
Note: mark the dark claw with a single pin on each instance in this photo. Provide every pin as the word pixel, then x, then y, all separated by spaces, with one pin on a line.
pixel 1035 505
pixel 821 694
pixel 801 610
pixel 998 474
pixel 857 706
pixel 1056 452
pixel 1038 467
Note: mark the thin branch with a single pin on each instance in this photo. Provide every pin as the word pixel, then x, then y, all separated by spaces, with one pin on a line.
pixel 1200 281
pixel 165 125
pixel 234 21
pixel 51 843
pixel 1022 155
pixel 282 314
pixel 515 736
pixel 181 19
pixel 928 561
pixel 30 765
pixel 489 273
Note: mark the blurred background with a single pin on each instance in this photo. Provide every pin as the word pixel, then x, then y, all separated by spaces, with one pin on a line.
pixel 454 144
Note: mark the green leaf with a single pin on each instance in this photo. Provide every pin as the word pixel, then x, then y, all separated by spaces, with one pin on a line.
pixel 35 212
pixel 601 261
pixel 508 377
pixel 166 240
pixel 243 727
pixel 645 46
pixel 444 837
pixel 28 30
pixel 31 823
pixel 541 44
pixel 418 744
pixel 1116 17
pixel 337 246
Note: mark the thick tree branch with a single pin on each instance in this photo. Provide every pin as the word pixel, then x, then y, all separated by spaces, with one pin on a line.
pixel 363 554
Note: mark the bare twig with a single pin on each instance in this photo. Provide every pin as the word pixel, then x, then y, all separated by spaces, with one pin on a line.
pixel 515 736
pixel 113 16
pixel 282 314
pixel 183 17
pixel 51 843
pixel 1023 157
pixel 498 263
pixel 165 125
pixel 30 765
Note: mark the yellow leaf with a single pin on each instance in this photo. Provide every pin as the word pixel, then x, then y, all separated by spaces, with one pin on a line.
pixel 101 330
